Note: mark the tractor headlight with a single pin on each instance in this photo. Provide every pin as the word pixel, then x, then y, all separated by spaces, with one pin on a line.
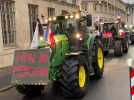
pixel 77 16
pixel 41 38
pixel 54 18
pixel 81 39
pixel 120 31
pixel 130 26
pixel 78 36
pixel 71 16
pixel 66 17
pixel 50 19
pixel 126 26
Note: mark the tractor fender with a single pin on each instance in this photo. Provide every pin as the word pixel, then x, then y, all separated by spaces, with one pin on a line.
pixel 77 55
pixel 91 39
pixel 71 54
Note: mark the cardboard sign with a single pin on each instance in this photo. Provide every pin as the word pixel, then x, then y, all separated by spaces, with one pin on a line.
pixel 31 66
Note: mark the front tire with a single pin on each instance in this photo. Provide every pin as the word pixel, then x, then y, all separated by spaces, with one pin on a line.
pixel 125 47
pixel 30 90
pixel 98 61
pixel 106 52
pixel 74 78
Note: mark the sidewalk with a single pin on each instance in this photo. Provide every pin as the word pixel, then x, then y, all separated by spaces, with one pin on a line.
pixel 5 78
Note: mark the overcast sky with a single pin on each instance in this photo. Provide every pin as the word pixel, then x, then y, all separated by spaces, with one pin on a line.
pixel 130 1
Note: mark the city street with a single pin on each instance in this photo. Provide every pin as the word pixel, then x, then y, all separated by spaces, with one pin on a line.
pixel 114 85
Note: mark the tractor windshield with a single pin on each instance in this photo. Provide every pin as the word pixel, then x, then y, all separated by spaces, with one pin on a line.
pixel 68 26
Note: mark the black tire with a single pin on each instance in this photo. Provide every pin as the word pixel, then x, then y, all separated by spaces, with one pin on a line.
pixel 30 90
pixel 125 47
pixel 106 53
pixel 97 69
pixel 69 80
pixel 118 48
pixel 132 42
pixel 132 39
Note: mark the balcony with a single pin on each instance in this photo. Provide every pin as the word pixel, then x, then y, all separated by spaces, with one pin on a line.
pixel 71 3
pixel 68 1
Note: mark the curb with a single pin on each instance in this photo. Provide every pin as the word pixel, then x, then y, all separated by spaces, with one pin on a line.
pixel 5 67
pixel 6 88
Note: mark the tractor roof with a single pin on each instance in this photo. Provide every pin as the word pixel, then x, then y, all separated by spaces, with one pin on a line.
pixel 62 18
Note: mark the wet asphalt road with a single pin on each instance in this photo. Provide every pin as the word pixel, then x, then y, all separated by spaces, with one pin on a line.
pixel 113 86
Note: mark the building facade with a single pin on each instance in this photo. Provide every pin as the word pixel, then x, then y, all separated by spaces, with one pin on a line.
pixel 105 10
pixel 130 14
pixel 17 19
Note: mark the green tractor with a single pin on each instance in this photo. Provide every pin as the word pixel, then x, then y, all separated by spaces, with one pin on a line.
pixel 132 34
pixel 114 37
pixel 70 59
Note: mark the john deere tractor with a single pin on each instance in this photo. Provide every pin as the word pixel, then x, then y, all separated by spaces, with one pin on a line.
pixel 114 37
pixel 70 58
pixel 132 34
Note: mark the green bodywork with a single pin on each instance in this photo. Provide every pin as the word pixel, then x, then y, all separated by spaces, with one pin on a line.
pixel 58 54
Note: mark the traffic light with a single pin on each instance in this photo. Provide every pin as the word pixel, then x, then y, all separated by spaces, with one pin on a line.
pixel 89 20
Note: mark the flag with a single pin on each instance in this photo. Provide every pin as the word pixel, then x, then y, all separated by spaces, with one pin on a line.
pixel 49 37
pixel 46 33
pixel 132 83
pixel 34 43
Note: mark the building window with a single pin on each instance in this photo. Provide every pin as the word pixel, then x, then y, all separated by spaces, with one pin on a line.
pixel 84 6
pixel 33 15
pixel 51 11
pixel 95 7
pixel 7 14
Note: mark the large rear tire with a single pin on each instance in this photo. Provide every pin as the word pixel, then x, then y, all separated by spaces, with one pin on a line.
pixel 98 61
pixel 106 52
pixel 30 90
pixel 132 42
pixel 118 49
pixel 125 47
pixel 74 78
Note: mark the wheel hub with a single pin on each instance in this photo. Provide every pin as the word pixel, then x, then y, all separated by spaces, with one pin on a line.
pixel 82 76
pixel 100 58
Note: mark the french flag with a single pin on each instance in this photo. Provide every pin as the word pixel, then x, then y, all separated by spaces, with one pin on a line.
pixel 49 37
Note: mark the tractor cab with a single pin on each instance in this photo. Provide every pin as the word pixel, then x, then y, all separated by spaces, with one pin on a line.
pixel 108 30
pixel 73 27
pixel 115 30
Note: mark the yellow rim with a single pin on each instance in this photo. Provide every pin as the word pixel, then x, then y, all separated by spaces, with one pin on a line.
pixel 100 58
pixel 82 76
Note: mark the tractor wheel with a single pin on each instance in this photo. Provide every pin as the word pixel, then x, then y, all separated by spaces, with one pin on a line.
pixel 118 49
pixel 30 90
pixel 74 78
pixel 98 61
pixel 126 46
pixel 106 53
pixel 132 42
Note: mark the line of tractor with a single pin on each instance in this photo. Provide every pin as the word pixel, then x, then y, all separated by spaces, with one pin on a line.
pixel 65 52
